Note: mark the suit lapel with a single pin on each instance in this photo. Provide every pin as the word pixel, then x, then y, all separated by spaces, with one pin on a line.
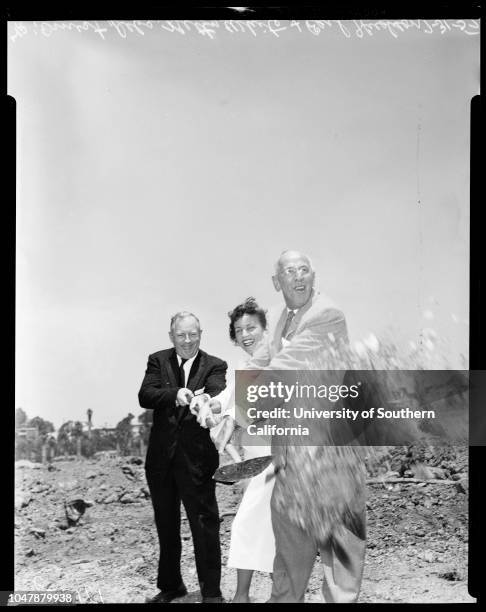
pixel 197 370
pixel 172 367
pixel 296 321
pixel 277 336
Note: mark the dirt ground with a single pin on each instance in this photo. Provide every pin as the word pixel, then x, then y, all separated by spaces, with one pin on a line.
pixel 104 548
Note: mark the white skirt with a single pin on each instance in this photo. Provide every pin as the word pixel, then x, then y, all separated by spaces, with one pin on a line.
pixel 252 545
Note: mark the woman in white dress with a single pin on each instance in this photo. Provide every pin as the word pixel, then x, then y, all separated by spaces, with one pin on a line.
pixel 252 544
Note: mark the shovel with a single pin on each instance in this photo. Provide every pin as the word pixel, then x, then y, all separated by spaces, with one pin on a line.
pixel 240 470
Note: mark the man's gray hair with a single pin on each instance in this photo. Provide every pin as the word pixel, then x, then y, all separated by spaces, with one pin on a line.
pixel 182 315
pixel 277 263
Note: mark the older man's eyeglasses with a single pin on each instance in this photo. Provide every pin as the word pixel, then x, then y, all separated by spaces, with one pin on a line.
pixel 191 336
pixel 291 272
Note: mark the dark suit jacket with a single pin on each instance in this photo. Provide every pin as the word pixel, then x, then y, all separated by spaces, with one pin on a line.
pixel 175 426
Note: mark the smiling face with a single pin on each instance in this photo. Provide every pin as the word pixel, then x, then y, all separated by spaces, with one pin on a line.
pixel 186 336
pixel 295 278
pixel 248 332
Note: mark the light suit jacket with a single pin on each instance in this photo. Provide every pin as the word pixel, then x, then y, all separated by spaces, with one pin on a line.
pixel 317 326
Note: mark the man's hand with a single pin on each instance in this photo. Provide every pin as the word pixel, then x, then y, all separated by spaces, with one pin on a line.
pixel 197 402
pixel 184 397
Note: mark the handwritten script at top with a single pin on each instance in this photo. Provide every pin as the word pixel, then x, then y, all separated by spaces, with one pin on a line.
pixel 357 28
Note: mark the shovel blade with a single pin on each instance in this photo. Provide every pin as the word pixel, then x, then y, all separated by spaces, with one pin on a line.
pixel 244 469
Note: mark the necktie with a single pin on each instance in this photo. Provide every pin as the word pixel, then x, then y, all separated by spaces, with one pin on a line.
pixel 290 316
pixel 182 374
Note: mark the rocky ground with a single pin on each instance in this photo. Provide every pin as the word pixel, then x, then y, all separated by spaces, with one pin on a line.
pixel 87 526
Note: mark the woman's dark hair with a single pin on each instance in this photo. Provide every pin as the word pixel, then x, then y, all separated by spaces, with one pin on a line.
pixel 249 307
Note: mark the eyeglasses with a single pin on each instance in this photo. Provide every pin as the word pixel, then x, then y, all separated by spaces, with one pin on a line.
pixel 192 336
pixel 291 272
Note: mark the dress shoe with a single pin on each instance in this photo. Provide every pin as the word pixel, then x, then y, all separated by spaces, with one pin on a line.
pixel 213 600
pixel 167 596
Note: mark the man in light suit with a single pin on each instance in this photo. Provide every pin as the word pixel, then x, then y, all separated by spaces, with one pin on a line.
pixel 181 458
pixel 299 334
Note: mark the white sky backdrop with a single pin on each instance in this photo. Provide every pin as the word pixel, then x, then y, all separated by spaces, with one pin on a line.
pixel 166 172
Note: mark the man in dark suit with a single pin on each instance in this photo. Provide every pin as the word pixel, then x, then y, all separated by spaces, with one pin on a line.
pixel 181 458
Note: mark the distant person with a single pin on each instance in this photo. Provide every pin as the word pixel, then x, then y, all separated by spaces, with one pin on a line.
pixel 181 458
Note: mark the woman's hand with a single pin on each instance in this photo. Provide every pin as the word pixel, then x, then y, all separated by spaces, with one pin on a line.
pixel 233 453
pixel 215 405
pixel 222 435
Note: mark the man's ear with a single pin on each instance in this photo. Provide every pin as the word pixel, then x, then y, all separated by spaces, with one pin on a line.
pixel 276 282
pixel 171 337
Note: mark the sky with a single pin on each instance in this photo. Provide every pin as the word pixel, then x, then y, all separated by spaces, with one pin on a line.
pixel 167 172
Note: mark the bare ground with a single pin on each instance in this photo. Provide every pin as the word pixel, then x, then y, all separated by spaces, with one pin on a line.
pixel 417 537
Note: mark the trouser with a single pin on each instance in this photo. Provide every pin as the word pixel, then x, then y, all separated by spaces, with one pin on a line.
pixel 199 500
pixel 342 556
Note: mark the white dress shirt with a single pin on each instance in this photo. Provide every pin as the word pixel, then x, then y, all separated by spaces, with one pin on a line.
pixel 187 366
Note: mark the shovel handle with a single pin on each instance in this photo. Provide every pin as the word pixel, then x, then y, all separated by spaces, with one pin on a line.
pixel 233 453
